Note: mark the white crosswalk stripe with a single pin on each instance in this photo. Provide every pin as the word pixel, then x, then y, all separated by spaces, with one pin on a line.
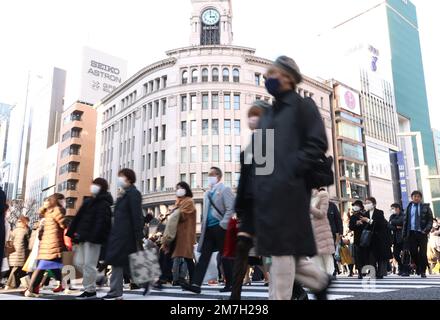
pixel 342 288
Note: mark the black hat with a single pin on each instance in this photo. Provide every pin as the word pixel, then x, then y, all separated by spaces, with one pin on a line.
pixel 289 65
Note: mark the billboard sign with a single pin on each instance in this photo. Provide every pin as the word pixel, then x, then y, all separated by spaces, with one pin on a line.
pixel 403 179
pixel 379 164
pixel 349 100
pixel 100 75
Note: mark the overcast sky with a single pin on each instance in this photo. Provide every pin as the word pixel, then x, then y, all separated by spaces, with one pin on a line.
pixel 39 34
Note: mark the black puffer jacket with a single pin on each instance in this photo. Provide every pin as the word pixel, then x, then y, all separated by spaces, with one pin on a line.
pixel 92 223
pixel 426 219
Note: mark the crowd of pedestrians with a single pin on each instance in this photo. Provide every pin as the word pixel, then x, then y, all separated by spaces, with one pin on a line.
pixel 281 223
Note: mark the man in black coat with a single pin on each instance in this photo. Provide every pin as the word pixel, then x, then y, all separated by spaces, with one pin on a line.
pixel 2 224
pixel 416 228
pixel 396 226
pixel 335 220
pixel 282 198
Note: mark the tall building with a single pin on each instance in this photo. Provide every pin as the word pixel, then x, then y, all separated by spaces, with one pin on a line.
pixel 177 117
pixel 5 114
pixel 437 147
pixel 99 75
pixel 46 108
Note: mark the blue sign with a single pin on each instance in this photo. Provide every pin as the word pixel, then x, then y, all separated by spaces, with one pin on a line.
pixel 403 179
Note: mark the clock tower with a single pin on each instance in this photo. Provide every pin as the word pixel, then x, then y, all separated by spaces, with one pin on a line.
pixel 211 22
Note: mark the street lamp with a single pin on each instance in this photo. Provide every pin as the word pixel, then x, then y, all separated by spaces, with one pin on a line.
pixel 424 170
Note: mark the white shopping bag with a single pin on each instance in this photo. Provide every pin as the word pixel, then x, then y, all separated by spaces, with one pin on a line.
pixel 5 265
pixel 212 271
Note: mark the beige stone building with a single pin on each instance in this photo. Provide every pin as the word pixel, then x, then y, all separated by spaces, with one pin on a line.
pixel 76 154
pixel 178 117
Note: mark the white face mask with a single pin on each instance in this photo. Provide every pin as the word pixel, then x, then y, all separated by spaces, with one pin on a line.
pixel 356 209
pixel 122 182
pixel 369 206
pixel 180 193
pixel 393 211
pixel 253 122
pixel 95 189
pixel 212 181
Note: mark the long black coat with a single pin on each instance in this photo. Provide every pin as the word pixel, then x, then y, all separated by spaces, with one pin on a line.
pixel 282 200
pixel 357 229
pixel 92 222
pixel 127 228
pixel 335 220
pixel 381 239
pixel 397 220
pixel 2 224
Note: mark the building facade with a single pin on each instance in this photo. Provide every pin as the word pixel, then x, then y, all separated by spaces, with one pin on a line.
pixel 437 147
pixel 175 119
pixel 75 154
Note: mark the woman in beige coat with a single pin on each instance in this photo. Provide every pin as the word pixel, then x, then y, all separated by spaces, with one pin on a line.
pixel 322 231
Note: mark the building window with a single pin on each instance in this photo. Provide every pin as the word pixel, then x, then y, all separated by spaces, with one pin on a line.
pixel 225 75
pixel 164 81
pixel 70 203
pixel 71 185
pixel 228 179
pixel 183 155
pixel 76 116
pixel 322 102
pixel 237 151
pixel 237 127
pixel 193 127
pixel 237 179
pixel 149 161
pixel 205 153
pixel 155 184
pixel 162 183
pixel 150 111
pixel 227 101
pixel 193 156
pixel 227 127
pixel 205 127
pixel 144 138
pixel 143 163
pixel 185 77
pixel 156 155
pixel 205 180
pixel 156 134
pixel 164 132
pixel 156 109
pixel 236 101
pixel 205 75
pixel 350 131
pixel 193 102
pixel 228 156
pixel 162 158
pixel 164 107
pixel 215 127
pixel 148 185
pixel 236 75
pixel 215 154
pixel 193 181
pixel 352 170
pixel 194 76
pixel 184 103
pixel 257 79
pixel 214 101
pixel 149 136
pixel 157 84
pixel 183 129
pixel 183 177
pixel 352 151
pixel 205 101
pixel 215 75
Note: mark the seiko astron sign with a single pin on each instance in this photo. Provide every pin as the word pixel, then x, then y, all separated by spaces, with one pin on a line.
pixel 100 75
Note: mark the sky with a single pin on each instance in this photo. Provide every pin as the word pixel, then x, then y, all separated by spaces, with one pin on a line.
pixel 38 35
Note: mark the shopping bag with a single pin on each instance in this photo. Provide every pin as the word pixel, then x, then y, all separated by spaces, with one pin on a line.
pixel 436 269
pixel 337 253
pixel 171 227
pixel 230 239
pixel 5 265
pixel 31 262
pixel 345 254
pixel 144 266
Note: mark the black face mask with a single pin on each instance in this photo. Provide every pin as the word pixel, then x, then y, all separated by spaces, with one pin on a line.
pixel 273 86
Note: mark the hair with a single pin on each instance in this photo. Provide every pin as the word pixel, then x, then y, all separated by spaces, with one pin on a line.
pixel 358 203
pixel 322 189
pixel 416 193
pixel 186 187
pixel 129 174
pixel 218 171
pixel 102 183
pixel 149 217
pixel 396 206
pixel 24 220
pixel 6 207
pixel 372 199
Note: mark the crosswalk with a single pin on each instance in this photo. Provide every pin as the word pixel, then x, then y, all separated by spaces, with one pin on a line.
pixel 342 288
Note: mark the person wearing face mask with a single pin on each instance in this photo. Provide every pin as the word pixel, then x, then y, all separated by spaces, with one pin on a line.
pixel 282 195
pixel 89 231
pixel 381 239
pixel 126 233
pixel 244 205
pixel 357 224
pixel 218 208
pixel 182 248
pixel 396 226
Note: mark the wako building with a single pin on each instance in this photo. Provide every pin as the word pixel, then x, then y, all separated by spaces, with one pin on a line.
pixel 175 119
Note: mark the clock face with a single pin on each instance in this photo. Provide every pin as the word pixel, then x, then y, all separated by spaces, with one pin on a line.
pixel 210 17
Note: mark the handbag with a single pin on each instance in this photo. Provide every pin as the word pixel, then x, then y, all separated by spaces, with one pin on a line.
pixel 9 248
pixel 230 239
pixel 366 237
pixel 346 257
pixel 337 253
pixel 171 227
pixel 144 266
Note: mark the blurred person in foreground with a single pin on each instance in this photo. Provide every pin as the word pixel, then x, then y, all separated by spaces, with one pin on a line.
pixel 282 197
pixel 244 205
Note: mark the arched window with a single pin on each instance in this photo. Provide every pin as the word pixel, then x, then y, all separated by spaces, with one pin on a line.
pixel 236 75
pixel 225 75
pixel 185 77
pixel 215 75
pixel 205 75
pixel 195 76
